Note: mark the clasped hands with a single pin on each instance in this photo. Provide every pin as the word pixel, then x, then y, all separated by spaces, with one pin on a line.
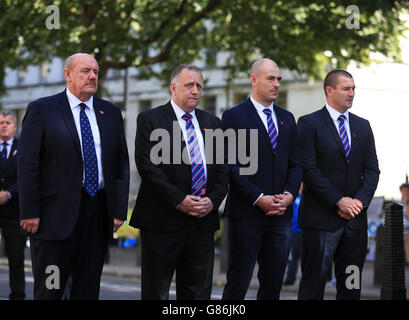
pixel 349 208
pixel 196 206
pixel 275 205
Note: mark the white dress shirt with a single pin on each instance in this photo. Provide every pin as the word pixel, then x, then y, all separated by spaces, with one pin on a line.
pixel 259 107
pixel 9 144
pixel 89 111
pixel 335 115
pixel 179 113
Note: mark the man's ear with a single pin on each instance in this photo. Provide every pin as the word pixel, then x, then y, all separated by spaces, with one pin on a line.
pixel 67 74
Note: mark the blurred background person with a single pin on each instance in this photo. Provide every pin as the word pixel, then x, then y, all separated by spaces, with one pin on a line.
pixel 295 244
pixel 404 189
pixel 9 208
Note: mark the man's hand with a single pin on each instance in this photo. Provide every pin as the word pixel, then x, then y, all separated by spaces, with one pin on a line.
pixel 117 224
pixel 30 224
pixel 348 208
pixel 188 203
pixel 266 203
pixel 4 197
pixel 196 206
pixel 202 208
pixel 280 204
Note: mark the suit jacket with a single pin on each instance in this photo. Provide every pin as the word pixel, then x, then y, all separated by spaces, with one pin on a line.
pixel 8 182
pixel 50 164
pixel 165 185
pixel 276 173
pixel 328 176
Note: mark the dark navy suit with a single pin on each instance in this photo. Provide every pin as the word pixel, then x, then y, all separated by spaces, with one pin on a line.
pixel 50 175
pixel 327 178
pixel 252 235
pixel 9 224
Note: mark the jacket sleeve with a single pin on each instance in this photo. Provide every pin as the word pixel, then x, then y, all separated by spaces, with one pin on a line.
pixel 318 183
pixel 165 190
pixel 28 158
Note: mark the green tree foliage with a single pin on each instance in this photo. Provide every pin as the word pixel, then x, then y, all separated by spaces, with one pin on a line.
pixel 146 33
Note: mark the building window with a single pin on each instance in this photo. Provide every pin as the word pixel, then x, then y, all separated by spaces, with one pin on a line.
pixel 44 70
pixel 209 104
pixel 21 74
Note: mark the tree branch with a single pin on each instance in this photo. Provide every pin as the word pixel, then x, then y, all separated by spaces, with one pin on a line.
pixel 164 53
pixel 158 33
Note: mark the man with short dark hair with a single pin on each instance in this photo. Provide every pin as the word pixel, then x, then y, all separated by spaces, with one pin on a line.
pixel 73 178
pixel 9 208
pixel 340 178
pixel 177 204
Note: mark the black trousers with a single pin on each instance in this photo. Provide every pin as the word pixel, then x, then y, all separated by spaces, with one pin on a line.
pixel 14 244
pixel 189 252
pixel 81 255
pixel 345 248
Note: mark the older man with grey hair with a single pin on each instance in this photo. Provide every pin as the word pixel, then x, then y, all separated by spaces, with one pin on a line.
pixel 73 179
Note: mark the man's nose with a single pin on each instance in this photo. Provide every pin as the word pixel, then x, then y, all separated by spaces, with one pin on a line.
pixel 195 89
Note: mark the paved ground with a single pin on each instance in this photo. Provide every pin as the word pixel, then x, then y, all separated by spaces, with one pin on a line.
pixel 123 262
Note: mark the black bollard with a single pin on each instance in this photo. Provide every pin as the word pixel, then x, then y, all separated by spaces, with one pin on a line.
pixel 378 256
pixel 393 268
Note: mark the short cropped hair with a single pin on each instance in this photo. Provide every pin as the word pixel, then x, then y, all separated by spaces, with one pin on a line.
pixel 404 185
pixel 331 80
pixel 5 113
pixel 182 67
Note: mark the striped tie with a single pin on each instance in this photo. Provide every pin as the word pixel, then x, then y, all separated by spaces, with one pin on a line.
pixel 272 130
pixel 198 173
pixel 343 135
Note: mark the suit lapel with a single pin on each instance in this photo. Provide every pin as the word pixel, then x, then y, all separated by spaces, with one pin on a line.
pixel 13 153
pixel 330 123
pixel 280 124
pixel 255 118
pixel 170 116
pixel 353 127
pixel 66 113
pixel 103 127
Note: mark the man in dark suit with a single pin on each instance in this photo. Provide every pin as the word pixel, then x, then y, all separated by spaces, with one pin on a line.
pixel 340 178
pixel 259 206
pixel 9 208
pixel 176 207
pixel 73 180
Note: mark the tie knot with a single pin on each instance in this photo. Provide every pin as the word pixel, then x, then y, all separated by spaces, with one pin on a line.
pixel 5 144
pixel 267 111
pixel 83 106
pixel 187 116
pixel 342 118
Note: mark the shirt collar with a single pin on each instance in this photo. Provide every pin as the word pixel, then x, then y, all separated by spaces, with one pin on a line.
pixel 74 101
pixel 9 142
pixel 260 107
pixel 335 114
pixel 178 111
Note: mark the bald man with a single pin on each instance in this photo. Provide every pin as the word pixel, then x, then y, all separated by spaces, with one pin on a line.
pixel 259 206
pixel 73 181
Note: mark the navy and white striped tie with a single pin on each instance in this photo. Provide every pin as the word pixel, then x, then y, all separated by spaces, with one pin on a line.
pixel 272 130
pixel 198 173
pixel 343 135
